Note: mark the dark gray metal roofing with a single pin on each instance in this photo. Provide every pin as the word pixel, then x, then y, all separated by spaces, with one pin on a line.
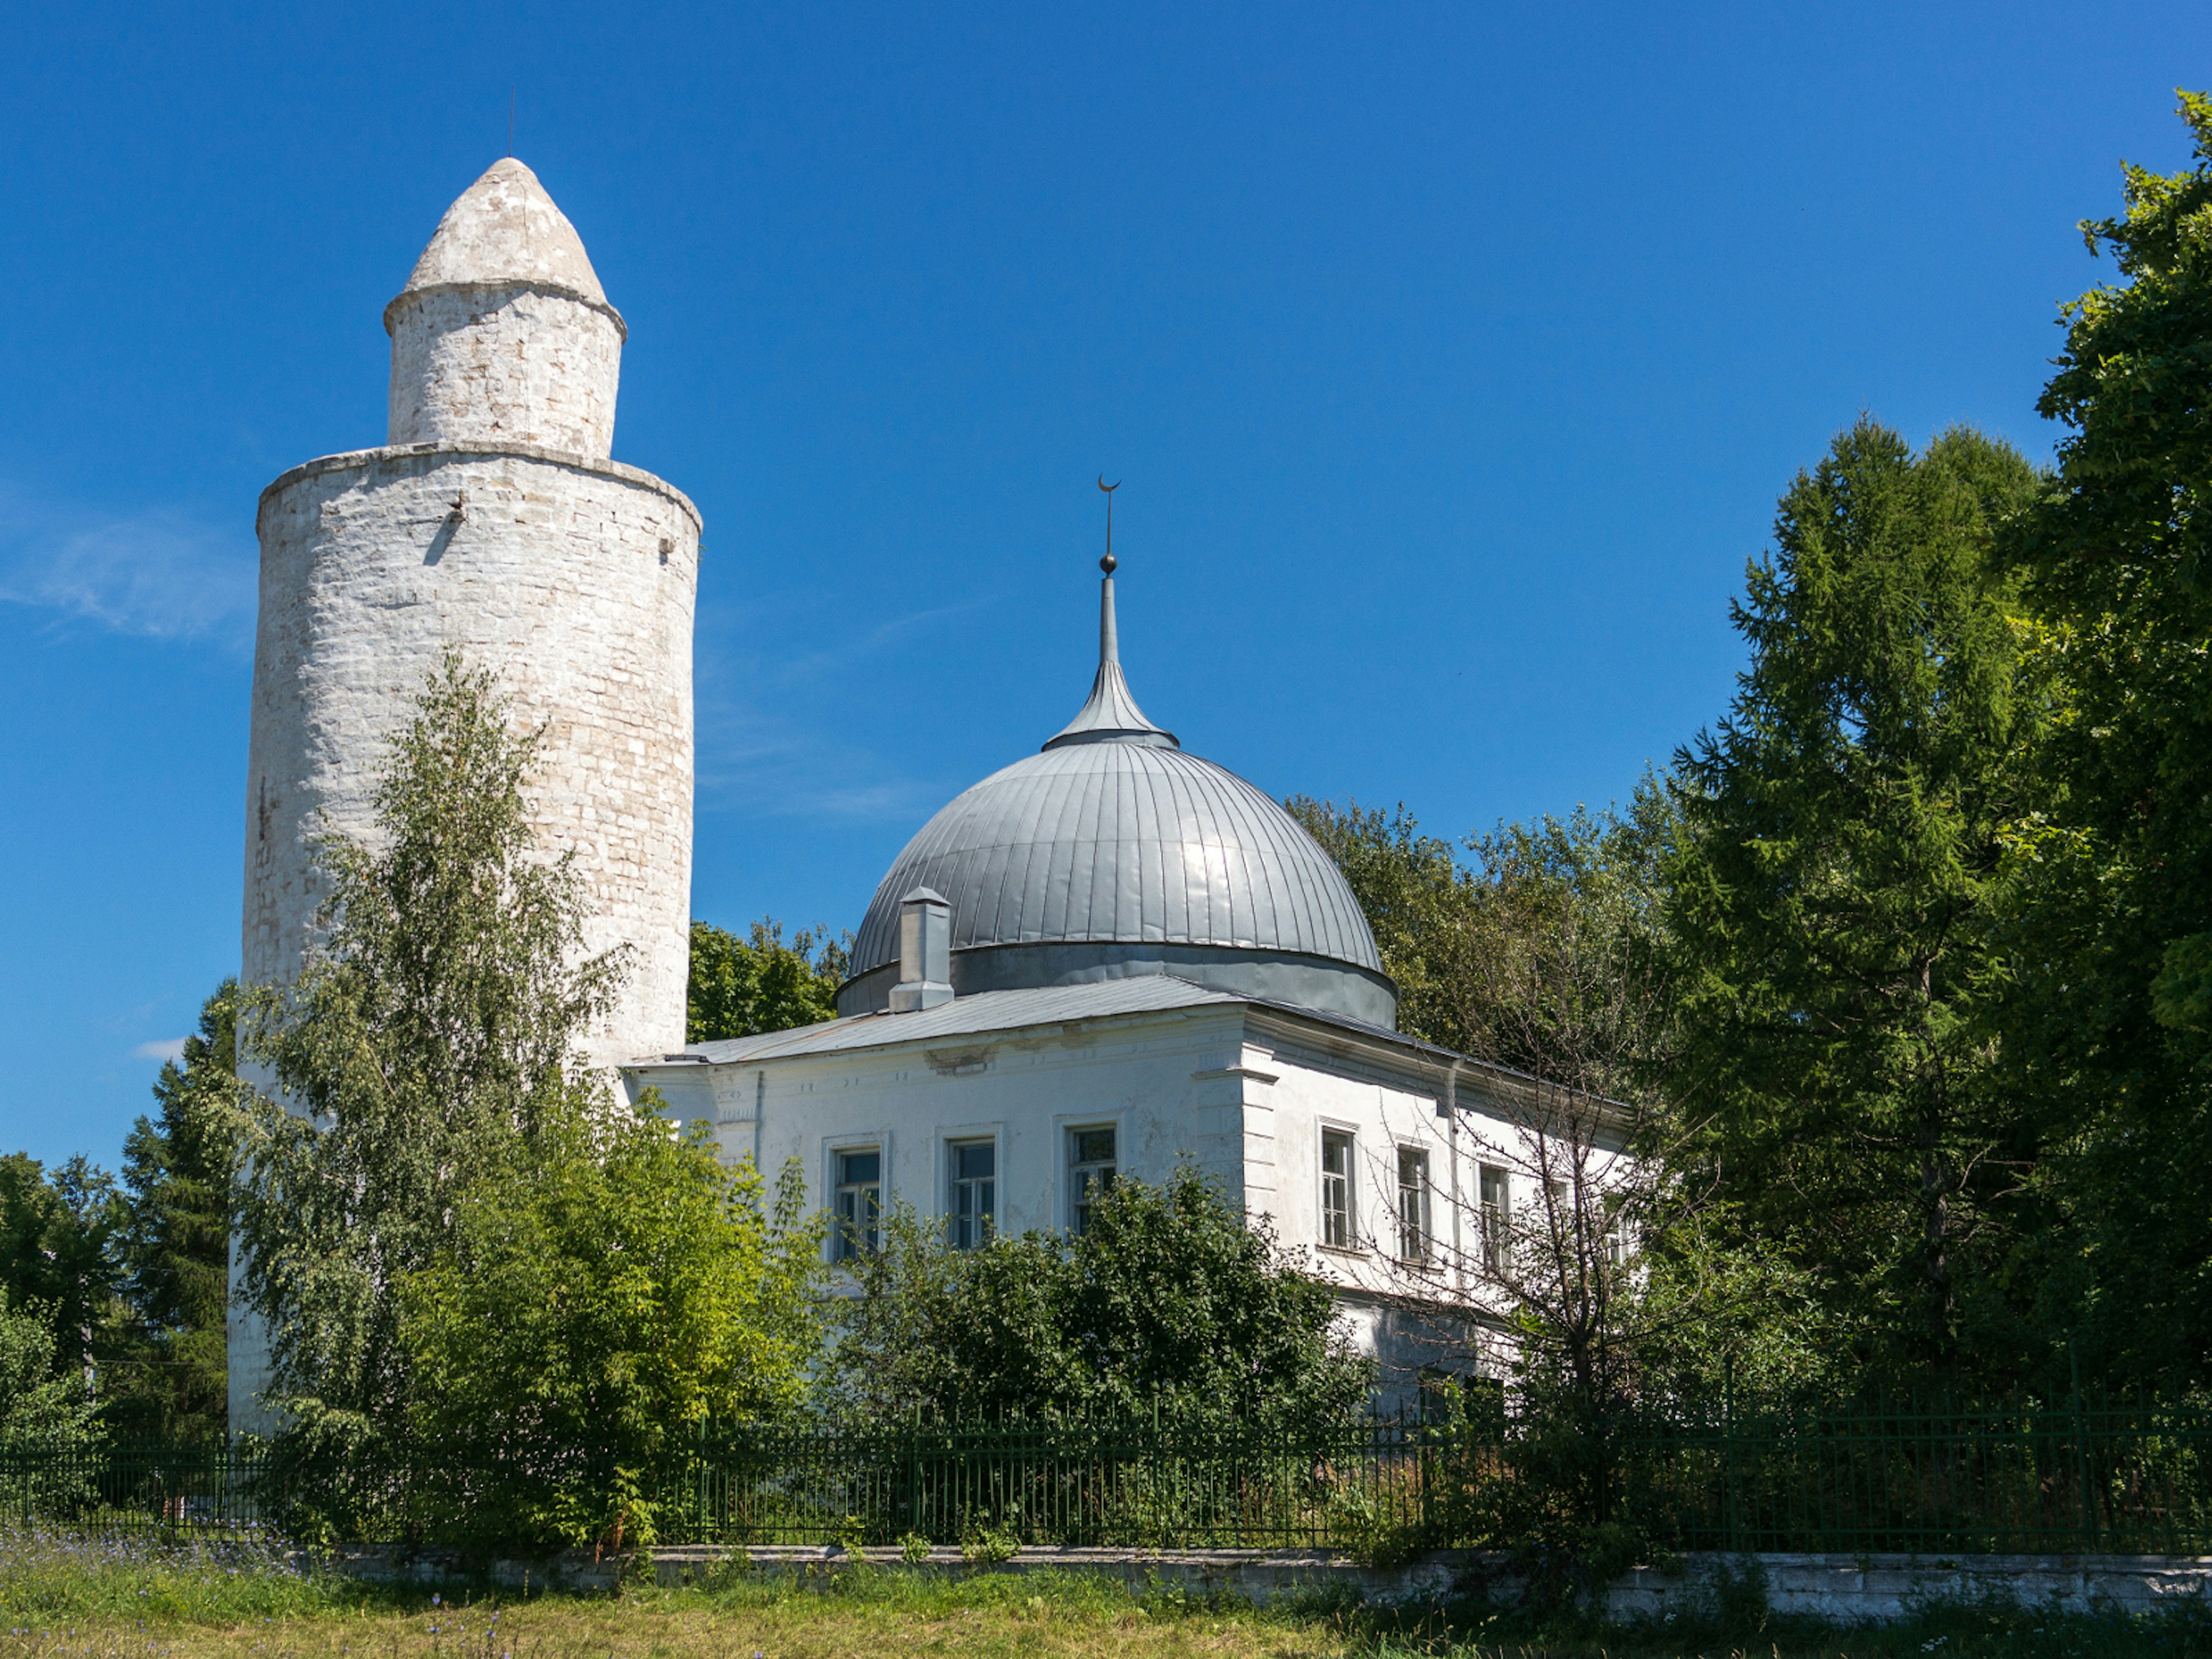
pixel 1128 843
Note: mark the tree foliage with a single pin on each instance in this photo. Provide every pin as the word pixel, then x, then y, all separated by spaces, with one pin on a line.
pixel 57 1259
pixel 2108 1018
pixel 743 987
pixel 1830 895
pixel 44 1406
pixel 1167 1301
pixel 591 1312
pixel 1418 901
pixel 1512 953
pixel 174 1245
pixel 431 1037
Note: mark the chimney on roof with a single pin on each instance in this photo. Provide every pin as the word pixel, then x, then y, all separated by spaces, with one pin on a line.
pixel 925 952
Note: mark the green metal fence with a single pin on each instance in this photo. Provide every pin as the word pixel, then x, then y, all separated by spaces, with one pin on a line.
pixel 1928 1480
pixel 2131 1479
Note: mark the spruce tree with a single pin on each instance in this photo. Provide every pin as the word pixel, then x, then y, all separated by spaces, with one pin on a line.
pixel 1833 887
pixel 175 1244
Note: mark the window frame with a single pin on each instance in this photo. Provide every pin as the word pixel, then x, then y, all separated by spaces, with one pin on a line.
pixel 845 1233
pixel 1497 1212
pixel 1340 1222
pixel 1415 1229
pixel 987 1217
pixel 1076 1186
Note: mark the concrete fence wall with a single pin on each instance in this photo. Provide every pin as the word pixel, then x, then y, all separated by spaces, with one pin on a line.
pixel 1846 1589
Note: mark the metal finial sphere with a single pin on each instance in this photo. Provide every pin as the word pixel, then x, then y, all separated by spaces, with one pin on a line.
pixel 1108 563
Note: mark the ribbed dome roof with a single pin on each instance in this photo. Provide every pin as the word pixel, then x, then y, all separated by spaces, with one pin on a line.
pixel 1113 836
pixel 1126 843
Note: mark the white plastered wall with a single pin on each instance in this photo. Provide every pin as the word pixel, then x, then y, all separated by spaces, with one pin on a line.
pixel 1245 1101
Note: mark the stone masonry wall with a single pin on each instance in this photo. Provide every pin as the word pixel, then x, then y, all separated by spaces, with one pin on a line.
pixel 504 365
pixel 576 581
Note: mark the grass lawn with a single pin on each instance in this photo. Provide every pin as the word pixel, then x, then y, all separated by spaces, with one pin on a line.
pixel 63 1598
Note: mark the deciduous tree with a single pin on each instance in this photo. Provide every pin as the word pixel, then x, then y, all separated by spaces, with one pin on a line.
pixel 743 987
pixel 2108 1016
pixel 432 1036
pixel 1167 1301
pixel 593 1310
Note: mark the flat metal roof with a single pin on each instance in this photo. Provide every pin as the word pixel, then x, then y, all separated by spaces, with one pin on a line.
pixel 1013 1011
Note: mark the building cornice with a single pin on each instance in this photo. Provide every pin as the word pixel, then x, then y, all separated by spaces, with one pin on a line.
pixel 597 466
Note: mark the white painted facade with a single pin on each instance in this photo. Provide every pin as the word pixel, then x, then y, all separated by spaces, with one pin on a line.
pixel 1244 1091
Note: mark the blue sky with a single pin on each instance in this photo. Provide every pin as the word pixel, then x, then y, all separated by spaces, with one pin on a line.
pixel 1453 356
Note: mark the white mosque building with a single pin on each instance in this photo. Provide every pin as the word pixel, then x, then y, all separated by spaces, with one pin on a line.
pixel 1106 958
pixel 1103 960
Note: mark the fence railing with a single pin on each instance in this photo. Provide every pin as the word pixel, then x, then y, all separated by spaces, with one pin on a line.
pixel 2061 1479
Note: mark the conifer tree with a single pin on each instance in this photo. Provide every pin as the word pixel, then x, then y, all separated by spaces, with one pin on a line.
pixel 173 1387
pixel 1831 892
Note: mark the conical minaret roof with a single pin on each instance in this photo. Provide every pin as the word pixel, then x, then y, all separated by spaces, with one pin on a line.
pixel 506 229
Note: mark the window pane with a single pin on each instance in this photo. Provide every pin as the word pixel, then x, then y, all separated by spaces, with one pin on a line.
pixel 1412 1203
pixel 974 1195
pixel 858 1203
pixel 1336 1189
pixel 974 1163
pixel 1091 1171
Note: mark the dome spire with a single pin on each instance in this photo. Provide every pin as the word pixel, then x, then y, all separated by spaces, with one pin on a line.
pixel 1110 714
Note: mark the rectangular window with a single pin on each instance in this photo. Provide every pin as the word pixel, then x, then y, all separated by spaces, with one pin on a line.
pixel 859 1204
pixel 974 1175
pixel 1412 1204
pixel 1336 1189
pixel 1090 1166
pixel 1496 1208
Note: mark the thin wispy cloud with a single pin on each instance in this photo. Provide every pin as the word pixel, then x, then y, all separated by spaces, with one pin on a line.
pixel 163 573
pixel 764 744
pixel 169 1048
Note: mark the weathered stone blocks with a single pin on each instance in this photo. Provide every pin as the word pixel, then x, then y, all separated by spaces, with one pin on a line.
pixel 574 579
pixel 498 363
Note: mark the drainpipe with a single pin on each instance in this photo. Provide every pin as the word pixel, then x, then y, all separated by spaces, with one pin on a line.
pixel 1451 1129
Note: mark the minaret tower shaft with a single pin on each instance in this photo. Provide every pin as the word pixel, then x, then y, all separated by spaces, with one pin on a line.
pixel 494 520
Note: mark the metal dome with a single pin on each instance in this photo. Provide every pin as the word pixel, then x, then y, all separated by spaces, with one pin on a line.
pixel 1113 854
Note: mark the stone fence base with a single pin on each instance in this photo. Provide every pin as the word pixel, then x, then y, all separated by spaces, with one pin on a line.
pixel 1843 1589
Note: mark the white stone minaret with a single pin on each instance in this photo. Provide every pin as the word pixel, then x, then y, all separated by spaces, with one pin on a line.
pixel 494 520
